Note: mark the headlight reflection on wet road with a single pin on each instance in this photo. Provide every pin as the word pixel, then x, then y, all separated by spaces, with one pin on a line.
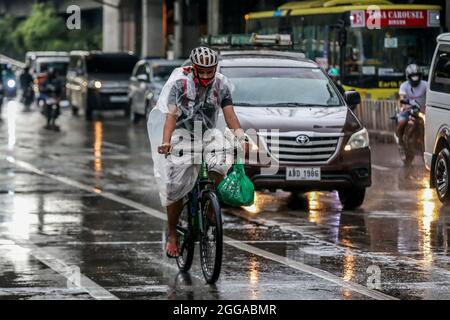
pixel 11 108
pixel 428 213
pixel 98 164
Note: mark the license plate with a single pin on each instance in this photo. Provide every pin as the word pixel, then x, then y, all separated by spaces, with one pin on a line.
pixel 118 98
pixel 303 174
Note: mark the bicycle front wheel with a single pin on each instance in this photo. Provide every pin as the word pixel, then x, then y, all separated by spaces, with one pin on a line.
pixel 211 239
pixel 186 242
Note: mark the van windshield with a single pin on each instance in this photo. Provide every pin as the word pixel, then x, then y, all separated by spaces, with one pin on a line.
pixel 111 64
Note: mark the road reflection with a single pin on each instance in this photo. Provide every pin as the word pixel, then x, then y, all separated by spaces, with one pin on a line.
pixel 428 213
pixel 98 164
pixel 254 277
pixel 11 108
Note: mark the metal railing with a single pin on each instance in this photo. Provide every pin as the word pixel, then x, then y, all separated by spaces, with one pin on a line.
pixel 376 115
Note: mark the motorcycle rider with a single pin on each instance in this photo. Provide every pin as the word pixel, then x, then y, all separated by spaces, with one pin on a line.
pixel 336 77
pixel 26 83
pixel 413 89
pixel 52 87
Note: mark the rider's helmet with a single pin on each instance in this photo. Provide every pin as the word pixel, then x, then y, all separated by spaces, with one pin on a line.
pixel 204 61
pixel 413 75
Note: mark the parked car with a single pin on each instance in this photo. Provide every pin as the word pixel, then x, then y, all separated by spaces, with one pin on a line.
pixel 437 115
pixel 303 125
pixel 146 82
pixel 99 81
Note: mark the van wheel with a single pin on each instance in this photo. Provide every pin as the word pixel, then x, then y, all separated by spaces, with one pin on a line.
pixel 352 198
pixel 441 175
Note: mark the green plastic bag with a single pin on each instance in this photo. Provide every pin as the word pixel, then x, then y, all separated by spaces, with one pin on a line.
pixel 237 189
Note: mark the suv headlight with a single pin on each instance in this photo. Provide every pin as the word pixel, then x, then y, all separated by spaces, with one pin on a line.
pixel 95 84
pixel 358 140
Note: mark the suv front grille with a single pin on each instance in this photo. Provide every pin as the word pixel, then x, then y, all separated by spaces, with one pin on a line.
pixel 285 148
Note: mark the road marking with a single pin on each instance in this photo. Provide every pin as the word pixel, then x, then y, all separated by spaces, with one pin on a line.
pixel 114 145
pixel 230 241
pixel 381 168
pixel 93 289
pixel 121 243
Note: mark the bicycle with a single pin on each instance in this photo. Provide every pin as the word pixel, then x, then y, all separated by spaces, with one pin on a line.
pixel 197 224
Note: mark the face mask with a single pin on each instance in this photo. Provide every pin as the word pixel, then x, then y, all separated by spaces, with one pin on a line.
pixel 415 78
pixel 204 82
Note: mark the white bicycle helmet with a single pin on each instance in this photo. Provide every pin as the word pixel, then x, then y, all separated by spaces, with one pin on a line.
pixel 204 57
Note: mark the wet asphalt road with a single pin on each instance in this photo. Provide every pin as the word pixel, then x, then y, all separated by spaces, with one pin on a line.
pixel 80 218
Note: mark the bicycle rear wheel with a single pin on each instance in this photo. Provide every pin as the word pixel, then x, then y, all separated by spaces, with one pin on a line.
pixel 211 239
pixel 186 241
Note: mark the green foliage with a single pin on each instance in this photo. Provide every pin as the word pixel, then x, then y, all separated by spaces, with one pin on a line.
pixel 44 30
pixel 8 44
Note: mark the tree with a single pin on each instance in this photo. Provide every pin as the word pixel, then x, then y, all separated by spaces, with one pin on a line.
pixel 42 30
pixel 8 45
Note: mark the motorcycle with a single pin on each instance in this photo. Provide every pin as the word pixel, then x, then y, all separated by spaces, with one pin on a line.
pixel 10 90
pixel 50 107
pixel 413 136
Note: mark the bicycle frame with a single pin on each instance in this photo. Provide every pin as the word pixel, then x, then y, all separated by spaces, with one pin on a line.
pixel 200 187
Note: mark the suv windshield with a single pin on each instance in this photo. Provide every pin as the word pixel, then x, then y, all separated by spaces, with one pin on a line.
pixel 111 64
pixel 296 87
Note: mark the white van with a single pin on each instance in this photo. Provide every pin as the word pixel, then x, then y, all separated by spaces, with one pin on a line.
pixel 437 124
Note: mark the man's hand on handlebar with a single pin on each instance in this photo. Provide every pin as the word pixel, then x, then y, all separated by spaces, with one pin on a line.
pixel 165 148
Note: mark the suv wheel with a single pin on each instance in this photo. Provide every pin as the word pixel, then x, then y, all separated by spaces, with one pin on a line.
pixel 88 114
pixel 352 198
pixel 441 175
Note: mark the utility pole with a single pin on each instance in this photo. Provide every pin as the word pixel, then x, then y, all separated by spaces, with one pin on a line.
pixel 178 36
pixel 214 17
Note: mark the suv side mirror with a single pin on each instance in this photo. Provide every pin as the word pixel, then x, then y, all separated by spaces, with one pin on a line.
pixel 142 77
pixel 352 98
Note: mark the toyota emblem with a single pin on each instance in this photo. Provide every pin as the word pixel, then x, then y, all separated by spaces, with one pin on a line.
pixel 302 139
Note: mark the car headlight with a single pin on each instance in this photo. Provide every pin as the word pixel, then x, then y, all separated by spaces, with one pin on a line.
pixel 95 84
pixel 358 140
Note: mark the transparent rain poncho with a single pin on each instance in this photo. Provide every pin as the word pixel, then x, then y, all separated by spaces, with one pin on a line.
pixel 197 109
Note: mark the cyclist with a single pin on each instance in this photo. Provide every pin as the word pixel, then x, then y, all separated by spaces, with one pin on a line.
pixel 188 106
